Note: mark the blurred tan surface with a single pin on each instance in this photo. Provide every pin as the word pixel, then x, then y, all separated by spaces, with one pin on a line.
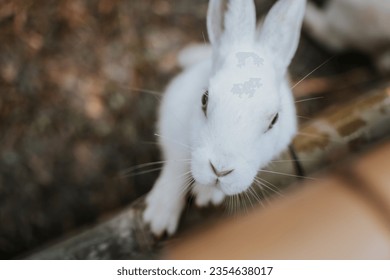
pixel 329 218
pixel 374 170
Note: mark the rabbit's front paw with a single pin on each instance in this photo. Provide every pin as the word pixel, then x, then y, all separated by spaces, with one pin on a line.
pixel 163 211
pixel 205 195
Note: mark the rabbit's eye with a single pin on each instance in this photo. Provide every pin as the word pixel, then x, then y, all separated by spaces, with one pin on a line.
pixel 273 122
pixel 205 100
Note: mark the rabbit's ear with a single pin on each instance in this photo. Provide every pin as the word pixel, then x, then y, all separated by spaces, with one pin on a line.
pixel 215 21
pixel 234 26
pixel 281 31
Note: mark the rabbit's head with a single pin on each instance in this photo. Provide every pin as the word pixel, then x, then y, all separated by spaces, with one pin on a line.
pixel 246 115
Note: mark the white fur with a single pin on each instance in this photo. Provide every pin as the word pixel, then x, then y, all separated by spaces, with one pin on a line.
pixel 192 54
pixel 353 24
pixel 234 134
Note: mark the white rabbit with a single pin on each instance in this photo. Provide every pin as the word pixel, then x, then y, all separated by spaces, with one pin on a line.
pixel 353 24
pixel 228 115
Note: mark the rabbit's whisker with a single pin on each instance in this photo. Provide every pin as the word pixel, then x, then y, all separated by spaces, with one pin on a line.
pixel 239 202
pixel 291 160
pixel 229 205
pixel 248 199
pixel 286 174
pixel 254 194
pixel 143 90
pixel 173 141
pixel 311 72
pixel 263 192
pixel 234 200
pixel 268 185
pixel 309 99
pixel 305 118
pixel 140 166
pixel 132 174
pixel 187 185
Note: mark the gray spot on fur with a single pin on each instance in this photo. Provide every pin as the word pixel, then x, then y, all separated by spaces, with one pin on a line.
pixel 247 88
pixel 242 57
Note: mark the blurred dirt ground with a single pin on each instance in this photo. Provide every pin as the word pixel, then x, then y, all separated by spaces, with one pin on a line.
pixel 73 116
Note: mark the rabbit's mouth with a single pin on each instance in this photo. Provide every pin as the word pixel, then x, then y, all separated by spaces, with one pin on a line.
pixel 228 187
pixel 230 181
pixel 223 187
pixel 230 190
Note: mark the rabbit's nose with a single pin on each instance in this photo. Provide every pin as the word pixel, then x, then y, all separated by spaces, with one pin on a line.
pixel 220 173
